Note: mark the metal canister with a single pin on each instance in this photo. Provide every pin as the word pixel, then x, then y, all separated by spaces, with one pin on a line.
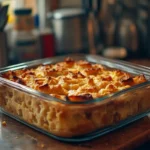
pixel 70 30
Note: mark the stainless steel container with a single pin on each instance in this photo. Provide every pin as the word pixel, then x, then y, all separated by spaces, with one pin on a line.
pixel 3 50
pixel 70 30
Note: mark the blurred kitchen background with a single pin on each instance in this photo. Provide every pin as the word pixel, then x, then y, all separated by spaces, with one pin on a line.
pixel 34 29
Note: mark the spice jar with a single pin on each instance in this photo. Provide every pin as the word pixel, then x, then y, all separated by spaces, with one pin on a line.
pixel 23 19
pixel 25 45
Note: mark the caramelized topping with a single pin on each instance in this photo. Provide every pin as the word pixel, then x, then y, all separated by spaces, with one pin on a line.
pixel 68 59
pixel 20 81
pixel 74 80
pixel 78 98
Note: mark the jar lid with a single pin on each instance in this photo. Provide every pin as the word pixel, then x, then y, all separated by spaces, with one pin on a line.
pixel 25 43
pixel 23 11
pixel 67 13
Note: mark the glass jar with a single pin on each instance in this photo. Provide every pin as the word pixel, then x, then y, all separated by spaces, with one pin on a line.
pixel 23 19
pixel 25 45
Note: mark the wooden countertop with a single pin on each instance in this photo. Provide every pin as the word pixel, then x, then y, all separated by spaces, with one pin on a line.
pixel 16 136
pixel 144 62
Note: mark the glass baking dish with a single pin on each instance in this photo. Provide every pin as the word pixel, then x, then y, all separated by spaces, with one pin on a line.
pixel 75 121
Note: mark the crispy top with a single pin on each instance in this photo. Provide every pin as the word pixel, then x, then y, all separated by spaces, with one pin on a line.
pixel 74 80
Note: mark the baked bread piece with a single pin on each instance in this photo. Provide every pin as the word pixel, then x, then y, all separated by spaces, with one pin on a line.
pixel 73 81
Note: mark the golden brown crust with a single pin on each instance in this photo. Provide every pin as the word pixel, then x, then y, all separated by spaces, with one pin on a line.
pixel 74 79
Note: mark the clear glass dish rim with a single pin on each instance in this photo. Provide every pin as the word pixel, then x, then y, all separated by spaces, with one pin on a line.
pixel 85 57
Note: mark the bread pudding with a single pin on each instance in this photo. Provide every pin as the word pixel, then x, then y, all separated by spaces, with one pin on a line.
pixel 76 82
